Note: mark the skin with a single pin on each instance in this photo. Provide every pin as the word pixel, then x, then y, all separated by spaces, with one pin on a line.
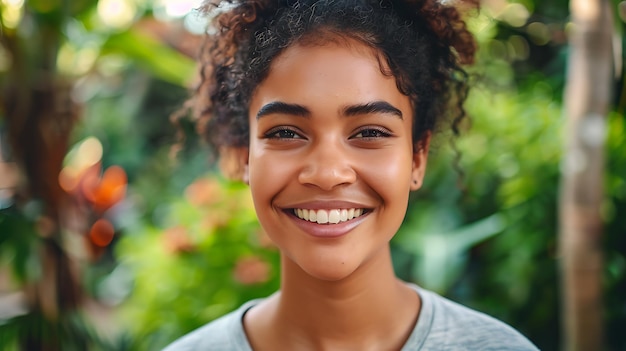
pixel 328 130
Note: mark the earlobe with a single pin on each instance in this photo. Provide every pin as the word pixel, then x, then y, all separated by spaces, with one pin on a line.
pixel 234 163
pixel 420 158
pixel 417 177
pixel 245 177
pixel 415 185
pixel 243 154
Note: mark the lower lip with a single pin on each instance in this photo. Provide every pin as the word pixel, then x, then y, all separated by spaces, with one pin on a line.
pixel 327 230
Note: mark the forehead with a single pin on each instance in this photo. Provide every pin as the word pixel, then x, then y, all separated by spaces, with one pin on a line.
pixel 342 68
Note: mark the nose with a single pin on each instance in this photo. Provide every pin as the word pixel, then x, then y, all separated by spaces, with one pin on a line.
pixel 326 166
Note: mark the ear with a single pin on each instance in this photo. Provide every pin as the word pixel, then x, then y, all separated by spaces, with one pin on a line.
pixel 420 157
pixel 234 163
pixel 243 162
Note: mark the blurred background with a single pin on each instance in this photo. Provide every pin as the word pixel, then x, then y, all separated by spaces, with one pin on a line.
pixel 117 231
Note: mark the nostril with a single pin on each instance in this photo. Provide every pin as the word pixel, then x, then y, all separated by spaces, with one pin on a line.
pixel 327 176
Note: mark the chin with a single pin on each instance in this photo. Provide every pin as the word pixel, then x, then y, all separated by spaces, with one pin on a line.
pixel 331 276
pixel 331 269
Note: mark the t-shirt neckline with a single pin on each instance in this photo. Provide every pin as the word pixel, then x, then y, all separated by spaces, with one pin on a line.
pixel 414 342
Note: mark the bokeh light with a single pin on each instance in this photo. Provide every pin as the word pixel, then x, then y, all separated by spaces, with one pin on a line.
pixel 5 59
pixel 117 14
pixel 167 10
pixel 76 62
pixel 102 233
pixel 195 22
pixel 82 157
pixel 518 47
pixel 515 15
pixel 539 33
pixel 110 190
pixel 12 12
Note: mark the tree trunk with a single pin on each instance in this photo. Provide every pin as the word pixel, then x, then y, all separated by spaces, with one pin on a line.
pixel 40 115
pixel 587 100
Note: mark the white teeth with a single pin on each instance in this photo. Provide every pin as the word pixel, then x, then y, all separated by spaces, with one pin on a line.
pixel 328 216
pixel 334 216
pixel 322 217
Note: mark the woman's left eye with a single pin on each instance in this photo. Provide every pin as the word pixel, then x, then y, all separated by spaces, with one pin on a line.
pixel 282 133
pixel 371 133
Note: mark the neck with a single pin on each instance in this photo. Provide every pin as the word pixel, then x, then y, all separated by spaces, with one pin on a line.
pixel 368 305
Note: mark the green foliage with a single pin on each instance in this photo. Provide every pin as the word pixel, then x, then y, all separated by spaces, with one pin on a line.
pixel 71 332
pixel 494 241
pixel 188 248
pixel 162 61
pixel 207 261
pixel 615 240
pixel 17 244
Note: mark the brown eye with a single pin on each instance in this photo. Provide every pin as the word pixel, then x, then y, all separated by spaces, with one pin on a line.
pixel 371 133
pixel 282 133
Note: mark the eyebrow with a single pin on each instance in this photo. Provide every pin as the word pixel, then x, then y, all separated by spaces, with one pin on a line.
pixel 279 107
pixel 372 107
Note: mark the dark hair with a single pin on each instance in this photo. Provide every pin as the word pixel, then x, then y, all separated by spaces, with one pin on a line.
pixel 424 44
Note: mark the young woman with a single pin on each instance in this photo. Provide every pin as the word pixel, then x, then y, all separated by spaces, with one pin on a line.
pixel 328 108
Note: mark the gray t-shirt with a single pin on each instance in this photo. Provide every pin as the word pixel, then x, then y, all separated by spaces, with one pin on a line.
pixel 442 325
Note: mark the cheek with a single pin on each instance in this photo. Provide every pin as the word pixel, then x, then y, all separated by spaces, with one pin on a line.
pixel 268 167
pixel 268 175
pixel 390 179
pixel 389 173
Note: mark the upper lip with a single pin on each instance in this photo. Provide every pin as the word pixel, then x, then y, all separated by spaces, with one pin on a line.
pixel 326 205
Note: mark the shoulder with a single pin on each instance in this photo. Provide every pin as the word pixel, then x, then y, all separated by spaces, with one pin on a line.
pixel 224 333
pixel 461 328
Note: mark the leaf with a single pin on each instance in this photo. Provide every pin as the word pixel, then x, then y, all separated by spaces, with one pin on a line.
pixel 161 60
pixel 441 254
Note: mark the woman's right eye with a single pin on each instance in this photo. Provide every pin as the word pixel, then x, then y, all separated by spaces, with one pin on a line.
pixel 282 133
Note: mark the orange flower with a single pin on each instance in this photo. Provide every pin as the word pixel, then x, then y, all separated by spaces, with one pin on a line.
pixel 101 233
pixel 88 181
pixel 251 270
pixel 112 188
pixel 177 240
pixel 203 191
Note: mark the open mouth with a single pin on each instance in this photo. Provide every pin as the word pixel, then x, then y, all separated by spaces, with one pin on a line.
pixel 334 216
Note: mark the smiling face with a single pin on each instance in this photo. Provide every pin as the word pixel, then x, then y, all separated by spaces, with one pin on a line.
pixel 331 160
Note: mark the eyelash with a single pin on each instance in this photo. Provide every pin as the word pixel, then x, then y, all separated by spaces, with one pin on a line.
pixel 382 133
pixel 275 133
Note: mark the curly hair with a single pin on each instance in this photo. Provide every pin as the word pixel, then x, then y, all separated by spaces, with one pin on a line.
pixel 424 43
